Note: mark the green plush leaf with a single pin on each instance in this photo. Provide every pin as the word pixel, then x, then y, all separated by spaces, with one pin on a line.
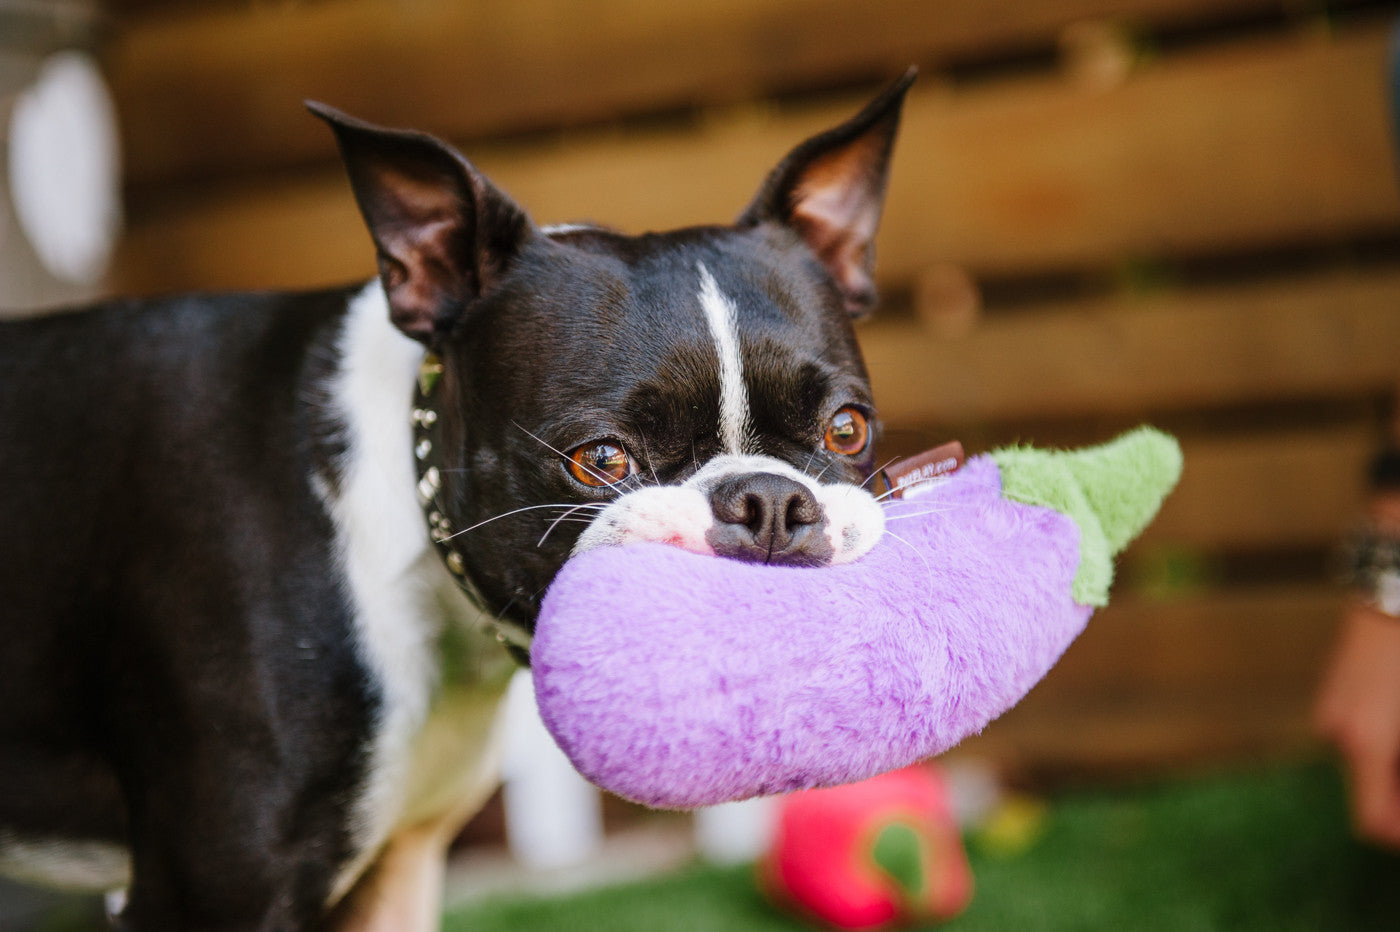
pixel 1111 491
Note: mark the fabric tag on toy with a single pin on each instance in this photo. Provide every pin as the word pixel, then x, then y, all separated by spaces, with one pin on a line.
pixel 922 471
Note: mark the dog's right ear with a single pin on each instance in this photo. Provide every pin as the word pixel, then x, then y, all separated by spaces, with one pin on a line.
pixel 444 234
pixel 831 190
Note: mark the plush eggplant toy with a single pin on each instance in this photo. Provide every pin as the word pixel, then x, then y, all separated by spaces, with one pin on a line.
pixel 680 680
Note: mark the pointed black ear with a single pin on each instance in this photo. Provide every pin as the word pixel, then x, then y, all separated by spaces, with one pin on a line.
pixel 831 190
pixel 444 234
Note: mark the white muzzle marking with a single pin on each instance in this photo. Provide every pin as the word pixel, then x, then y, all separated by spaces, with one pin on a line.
pixel 680 515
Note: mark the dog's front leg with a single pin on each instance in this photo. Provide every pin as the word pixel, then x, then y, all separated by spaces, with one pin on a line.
pixel 402 890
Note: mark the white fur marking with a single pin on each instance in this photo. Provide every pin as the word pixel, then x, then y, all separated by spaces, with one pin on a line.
pixel 669 514
pixel 681 515
pixel 720 314
pixel 402 595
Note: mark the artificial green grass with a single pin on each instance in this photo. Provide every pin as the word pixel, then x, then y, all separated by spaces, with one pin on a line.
pixel 1267 850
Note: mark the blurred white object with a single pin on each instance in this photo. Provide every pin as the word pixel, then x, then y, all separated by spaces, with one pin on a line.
pixel 974 788
pixel 554 817
pixel 733 833
pixel 114 902
pixel 65 168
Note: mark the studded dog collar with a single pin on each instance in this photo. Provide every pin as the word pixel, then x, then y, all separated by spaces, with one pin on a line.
pixel 427 445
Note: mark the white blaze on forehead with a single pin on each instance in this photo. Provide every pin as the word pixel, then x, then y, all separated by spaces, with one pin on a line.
pixel 720 314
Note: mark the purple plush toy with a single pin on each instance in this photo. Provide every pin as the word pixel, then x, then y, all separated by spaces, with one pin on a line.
pixel 679 680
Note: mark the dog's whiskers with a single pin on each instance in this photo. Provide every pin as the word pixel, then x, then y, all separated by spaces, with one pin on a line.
pixel 564 516
pixel 647 453
pixel 904 488
pixel 928 567
pixel 871 478
pixel 500 616
pixel 914 514
pixel 515 511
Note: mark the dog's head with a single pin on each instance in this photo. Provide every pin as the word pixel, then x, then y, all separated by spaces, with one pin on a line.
pixel 700 388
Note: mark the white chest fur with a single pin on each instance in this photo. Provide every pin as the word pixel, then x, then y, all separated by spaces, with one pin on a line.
pixel 432 751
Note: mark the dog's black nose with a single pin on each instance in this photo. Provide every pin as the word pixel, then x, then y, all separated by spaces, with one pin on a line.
pixel 766 518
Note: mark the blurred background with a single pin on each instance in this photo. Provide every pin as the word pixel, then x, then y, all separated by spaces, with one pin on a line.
pixel 1102 212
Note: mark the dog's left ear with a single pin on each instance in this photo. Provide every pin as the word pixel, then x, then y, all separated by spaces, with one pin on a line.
pixel 831 190
pixel 444 234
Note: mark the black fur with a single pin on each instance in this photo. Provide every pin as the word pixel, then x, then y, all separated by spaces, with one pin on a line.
pixel 177 671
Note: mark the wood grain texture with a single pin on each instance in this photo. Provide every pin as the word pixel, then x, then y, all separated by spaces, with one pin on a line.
pixel 1114 741
pixel 1191 644
pixel 1262 142
pixel 1266 490
pixel 1333 334
pixel 1217 676
pixel 209 91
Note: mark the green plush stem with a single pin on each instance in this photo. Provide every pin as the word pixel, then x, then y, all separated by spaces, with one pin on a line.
pixel 900 855
pixel 1111 491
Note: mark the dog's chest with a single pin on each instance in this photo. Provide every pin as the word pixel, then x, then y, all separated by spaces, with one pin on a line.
pixel 438 673
pixel 434 753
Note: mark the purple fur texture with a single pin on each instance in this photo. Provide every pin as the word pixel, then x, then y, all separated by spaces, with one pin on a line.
pixel 679 680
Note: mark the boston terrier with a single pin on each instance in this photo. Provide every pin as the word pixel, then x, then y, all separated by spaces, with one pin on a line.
pixel 260 554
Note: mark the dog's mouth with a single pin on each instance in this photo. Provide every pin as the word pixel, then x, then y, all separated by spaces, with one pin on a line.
pixel 752 508
pixel 756 509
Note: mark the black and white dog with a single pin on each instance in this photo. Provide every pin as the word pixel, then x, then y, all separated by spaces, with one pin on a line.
pixel 251 590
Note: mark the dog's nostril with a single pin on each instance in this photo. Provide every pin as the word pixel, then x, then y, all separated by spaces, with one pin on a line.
pixel 803 509
pixel 756 513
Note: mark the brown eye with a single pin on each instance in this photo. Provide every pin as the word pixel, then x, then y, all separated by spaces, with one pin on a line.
pixel 848 433
pixel 600 464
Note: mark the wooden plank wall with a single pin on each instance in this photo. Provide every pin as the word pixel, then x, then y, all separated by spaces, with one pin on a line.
pixel 1102 212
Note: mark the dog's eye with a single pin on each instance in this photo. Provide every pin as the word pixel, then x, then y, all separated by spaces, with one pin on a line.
pixel 600 464
pixel 848 433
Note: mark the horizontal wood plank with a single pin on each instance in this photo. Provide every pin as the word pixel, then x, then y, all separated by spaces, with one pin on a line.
pixel 1334 334
pixel 206 92
pixel 1264 642
pixel 1128 740
pixel 1295 488
pixel 1264 142
pixel 1211 677
pixel 1251 144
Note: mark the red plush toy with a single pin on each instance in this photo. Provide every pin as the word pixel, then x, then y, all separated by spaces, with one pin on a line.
pixel 870 855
